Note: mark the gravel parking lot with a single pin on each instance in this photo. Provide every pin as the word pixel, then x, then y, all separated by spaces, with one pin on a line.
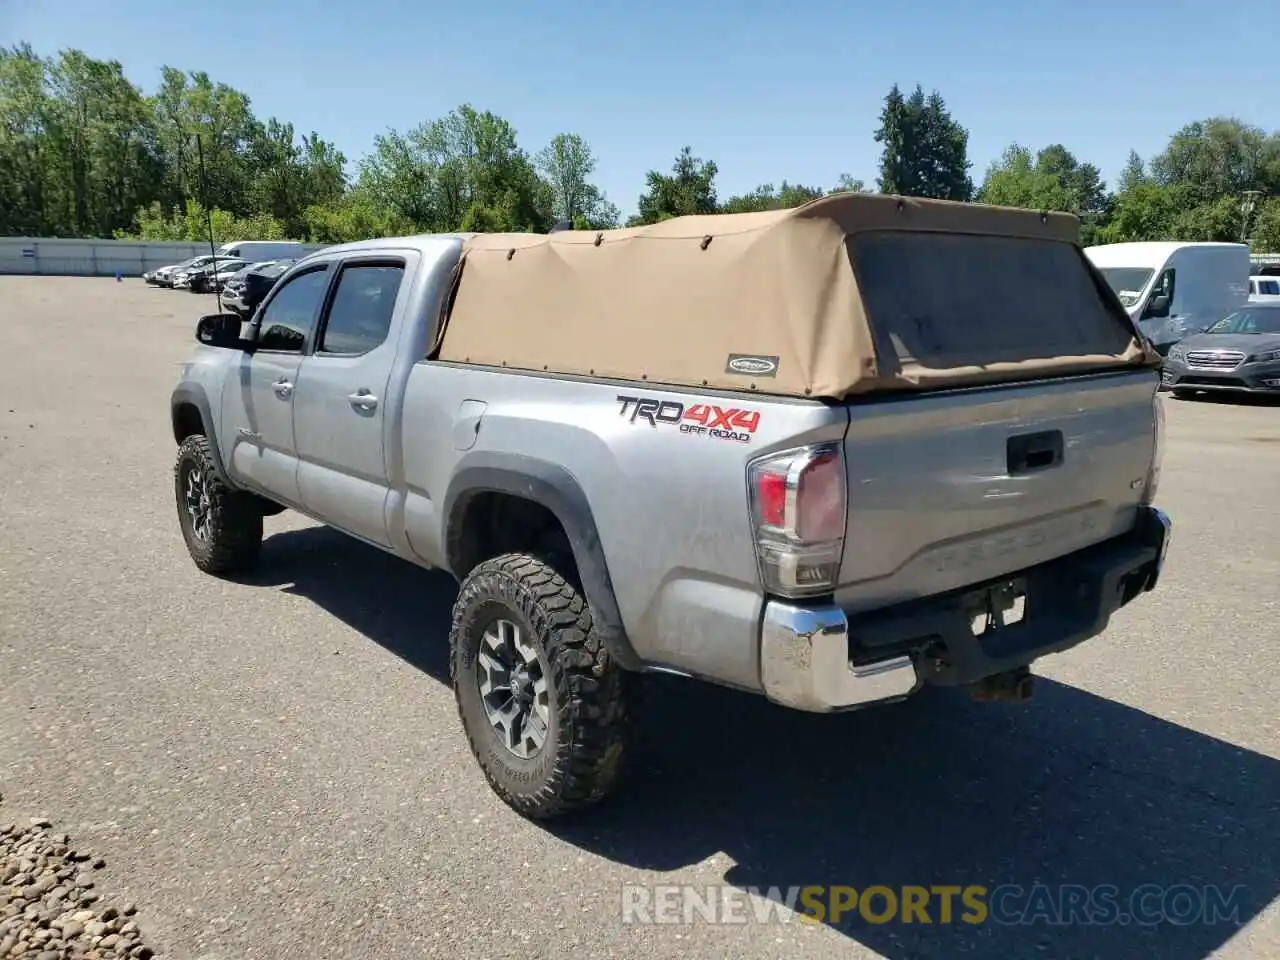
pixel 274 769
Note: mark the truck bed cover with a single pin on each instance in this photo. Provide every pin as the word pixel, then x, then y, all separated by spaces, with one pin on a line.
pixel 846 295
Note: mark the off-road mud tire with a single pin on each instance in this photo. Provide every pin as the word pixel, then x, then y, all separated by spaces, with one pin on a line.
pixel 582 759
pixel 234 539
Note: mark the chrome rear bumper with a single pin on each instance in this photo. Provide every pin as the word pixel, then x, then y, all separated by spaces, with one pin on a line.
pixel 805 650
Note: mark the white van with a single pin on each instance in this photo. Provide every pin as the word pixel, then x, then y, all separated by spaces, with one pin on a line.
pixel 1175 289
pixel 268 249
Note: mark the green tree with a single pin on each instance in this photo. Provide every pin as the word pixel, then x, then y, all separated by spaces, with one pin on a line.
pixel 84 152
pixel 26 147
pixel 925 152
pixel 1082 183
pixel 357 215
pixel 567 164
pixel 463 171
pixel 1053 180
pixel 1016 180
pixel 1146 211
pixel 1219 157
pixel 77 150
pixel 102 134
pixel 848 184
pixel 293 174
pixel 398 177
pixel 190 222
pixel 195 116
pixel 688 189
pixel 1133 175
pixel 1266 226
pixel 1193 189
pixel 765 197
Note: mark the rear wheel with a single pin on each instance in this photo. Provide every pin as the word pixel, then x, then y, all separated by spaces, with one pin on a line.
pixel 221 526
pixel 543 705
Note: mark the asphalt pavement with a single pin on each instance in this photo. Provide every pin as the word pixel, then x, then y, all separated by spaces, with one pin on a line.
pixel 274 769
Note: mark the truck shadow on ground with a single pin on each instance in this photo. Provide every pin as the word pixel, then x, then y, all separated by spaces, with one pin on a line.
pixel 1071 792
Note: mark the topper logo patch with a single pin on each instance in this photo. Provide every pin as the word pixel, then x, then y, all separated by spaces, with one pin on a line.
pixel 751 365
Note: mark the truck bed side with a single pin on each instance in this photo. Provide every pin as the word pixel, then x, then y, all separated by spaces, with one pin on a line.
pixel 667 497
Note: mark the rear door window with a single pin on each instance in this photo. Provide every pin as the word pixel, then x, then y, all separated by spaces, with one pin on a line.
pixel 360 314
pixel 945 301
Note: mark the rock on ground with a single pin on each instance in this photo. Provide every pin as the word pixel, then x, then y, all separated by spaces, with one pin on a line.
pixel 50 904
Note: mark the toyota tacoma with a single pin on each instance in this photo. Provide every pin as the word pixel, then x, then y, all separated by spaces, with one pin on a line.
pixel 828 455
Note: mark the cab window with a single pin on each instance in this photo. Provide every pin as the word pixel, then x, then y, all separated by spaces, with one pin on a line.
pixel 360 314
pixel 287 317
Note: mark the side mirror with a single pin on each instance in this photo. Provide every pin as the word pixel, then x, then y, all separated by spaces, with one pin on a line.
pixel 220 330
pixel 1157 307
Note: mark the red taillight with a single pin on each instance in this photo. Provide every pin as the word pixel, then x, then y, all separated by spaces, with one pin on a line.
pixel 771 494
pixel 798 507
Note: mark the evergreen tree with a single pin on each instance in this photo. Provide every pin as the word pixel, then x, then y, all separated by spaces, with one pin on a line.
pixel 925 152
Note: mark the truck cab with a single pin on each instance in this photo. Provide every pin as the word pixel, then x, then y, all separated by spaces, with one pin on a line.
pixel 1172 290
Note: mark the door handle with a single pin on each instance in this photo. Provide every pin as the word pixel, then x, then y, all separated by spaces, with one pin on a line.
pixel 283 389
pixel 363 400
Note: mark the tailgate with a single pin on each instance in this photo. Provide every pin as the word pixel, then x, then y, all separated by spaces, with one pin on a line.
pixel 949 489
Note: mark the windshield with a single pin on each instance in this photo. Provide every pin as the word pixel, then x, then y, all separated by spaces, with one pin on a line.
pixel 1127 282
pixel 1260 320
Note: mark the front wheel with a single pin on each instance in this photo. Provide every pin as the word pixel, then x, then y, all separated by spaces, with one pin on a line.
pixel 1181 393
pixel 221 526
pixel 543 704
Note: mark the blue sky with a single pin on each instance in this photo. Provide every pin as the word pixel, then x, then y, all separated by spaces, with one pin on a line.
pixel 770 92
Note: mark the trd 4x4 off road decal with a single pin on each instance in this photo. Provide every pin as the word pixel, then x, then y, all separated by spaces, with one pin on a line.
pixel 700 419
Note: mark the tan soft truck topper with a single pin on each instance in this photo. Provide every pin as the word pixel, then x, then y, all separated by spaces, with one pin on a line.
pixel 848 294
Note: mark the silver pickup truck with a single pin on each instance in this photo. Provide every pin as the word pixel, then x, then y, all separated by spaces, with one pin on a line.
pixel 827 455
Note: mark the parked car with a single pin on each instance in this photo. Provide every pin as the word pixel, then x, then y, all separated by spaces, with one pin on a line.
pixel 1238 354
pixel 163 276
pixel 234 283
pixel 182 278
pixel 754 449
pixel 246 290
pixel 210 278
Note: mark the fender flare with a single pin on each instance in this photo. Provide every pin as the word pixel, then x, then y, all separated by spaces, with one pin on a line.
pixel 194 395
pixel 555 488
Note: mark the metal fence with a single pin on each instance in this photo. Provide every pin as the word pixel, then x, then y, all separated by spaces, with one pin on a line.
pixel 91 258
